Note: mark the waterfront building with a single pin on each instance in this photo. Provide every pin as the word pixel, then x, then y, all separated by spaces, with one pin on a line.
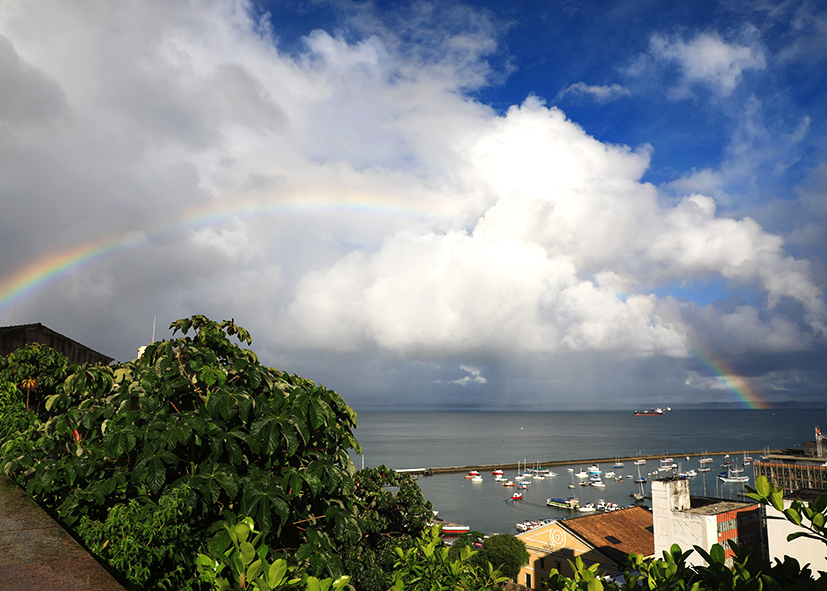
pixel 795 469
pixel 703 521
pixel 602 538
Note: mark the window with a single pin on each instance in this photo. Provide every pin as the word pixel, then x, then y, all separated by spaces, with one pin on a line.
pixel 528 580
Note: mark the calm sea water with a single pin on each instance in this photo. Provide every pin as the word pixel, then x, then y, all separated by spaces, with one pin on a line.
pixel 435 439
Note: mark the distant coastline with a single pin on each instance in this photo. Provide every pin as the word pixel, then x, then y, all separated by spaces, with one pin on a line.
pixel 527 409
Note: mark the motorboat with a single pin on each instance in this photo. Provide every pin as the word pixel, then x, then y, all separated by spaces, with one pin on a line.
pixel 587 508
pixel 497 472
pixel 509 483
pixel 517 496
pixel 598 483
pixel 476 478
pixel 582 474
pixel 595 469
pixel 569 503
pixel 472 474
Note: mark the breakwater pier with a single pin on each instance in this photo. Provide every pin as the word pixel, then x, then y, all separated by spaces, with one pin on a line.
pixel 583 462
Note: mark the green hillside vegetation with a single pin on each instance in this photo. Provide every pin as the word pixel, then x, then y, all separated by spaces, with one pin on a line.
pixel 197 467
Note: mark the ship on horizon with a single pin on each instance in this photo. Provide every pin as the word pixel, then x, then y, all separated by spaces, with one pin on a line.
pixel 650 412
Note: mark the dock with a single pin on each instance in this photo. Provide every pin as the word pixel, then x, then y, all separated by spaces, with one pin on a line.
pixel 583 462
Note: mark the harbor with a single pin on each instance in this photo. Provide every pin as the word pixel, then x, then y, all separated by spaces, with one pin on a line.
pixel 588 461
pixel 506 498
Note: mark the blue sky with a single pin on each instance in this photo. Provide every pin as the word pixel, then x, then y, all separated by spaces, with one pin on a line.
pixel 522 205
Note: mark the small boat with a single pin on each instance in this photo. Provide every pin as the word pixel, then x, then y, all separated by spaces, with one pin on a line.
pixel 587 508
pixel 472 474
pixel 509 483
pixel 569 503
pixel 517 496
pixel 595 469
pixel 705 461
pixel 529 525
pixel 598 483
pixel 497 472
pixel 582 474
pixel 609 474
pixel 454 529
pixel 640 479
pixel 728 477
pixel 476 478
pixel 618 463
pixel 571 484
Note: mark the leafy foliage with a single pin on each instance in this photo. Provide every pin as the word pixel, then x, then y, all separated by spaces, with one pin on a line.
pixel 150 542
pixel 748 572
pixel 14 418
pixel 203 413
pixel 506 553
pixel 37 370
pixel 810 518
pixel 427 566
pixel 246 561
pixel 392 513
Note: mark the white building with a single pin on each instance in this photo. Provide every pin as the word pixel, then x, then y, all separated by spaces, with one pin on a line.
pixel 702 521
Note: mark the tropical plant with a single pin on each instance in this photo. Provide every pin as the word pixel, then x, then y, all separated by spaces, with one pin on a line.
pixel 246 561
pixel 810 517
pixel 427 566
pixel 392 513
pixel 37 370
pixel 14 417
pixel 506 553
pixel 200 412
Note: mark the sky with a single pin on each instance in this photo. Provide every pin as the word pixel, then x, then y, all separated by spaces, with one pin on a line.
pixel 436 204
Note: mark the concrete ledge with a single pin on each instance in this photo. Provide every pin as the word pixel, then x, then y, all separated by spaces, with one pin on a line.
pixel 36 553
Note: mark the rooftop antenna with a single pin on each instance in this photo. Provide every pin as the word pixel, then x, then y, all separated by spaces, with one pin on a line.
pixel 153 329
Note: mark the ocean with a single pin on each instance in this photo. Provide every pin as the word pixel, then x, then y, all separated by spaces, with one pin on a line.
pixel 440 439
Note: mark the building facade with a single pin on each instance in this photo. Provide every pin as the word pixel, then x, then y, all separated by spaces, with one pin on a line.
pixel 792 470
pixel 602 538
pixel 702 521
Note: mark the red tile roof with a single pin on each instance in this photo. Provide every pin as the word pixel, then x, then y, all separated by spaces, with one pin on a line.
pixel 616 533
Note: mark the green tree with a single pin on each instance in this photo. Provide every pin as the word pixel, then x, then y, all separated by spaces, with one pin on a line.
pixel 506 553
pixel 37 370
pixel 14 417
pixel 392 513
pixel 198 416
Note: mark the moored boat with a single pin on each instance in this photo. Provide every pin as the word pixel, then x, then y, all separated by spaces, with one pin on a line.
pixel 569 503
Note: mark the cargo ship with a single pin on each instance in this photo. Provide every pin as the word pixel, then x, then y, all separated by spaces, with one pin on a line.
pixel 651 412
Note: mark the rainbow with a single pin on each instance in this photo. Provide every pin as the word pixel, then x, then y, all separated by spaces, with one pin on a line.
pixel 745 394
pixel 56 264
